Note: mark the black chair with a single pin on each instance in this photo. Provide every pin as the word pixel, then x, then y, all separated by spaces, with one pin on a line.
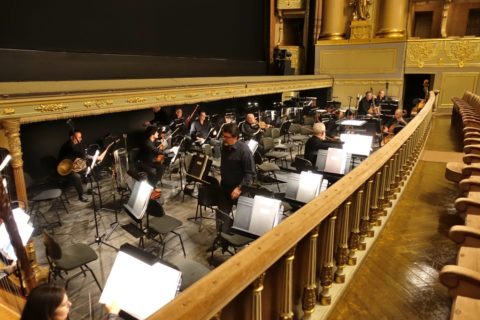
pixel 207 198
pixel 225 238
pixel 302 164
pixel 62 260
pixel 266 169
pixel 159 224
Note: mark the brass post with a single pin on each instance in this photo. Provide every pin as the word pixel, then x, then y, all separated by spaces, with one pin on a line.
pixel 365 230
pixel 309 291
pixel 287 303
pixel 257 297
pixel 341 256
pixel 12 131
pixel 326 274
pixel 381 196
pixel 397 172
pixel 354 240
pixel 374 202
pixel 333 20
pixel 393 18
pixel 392 178
pixel 400 166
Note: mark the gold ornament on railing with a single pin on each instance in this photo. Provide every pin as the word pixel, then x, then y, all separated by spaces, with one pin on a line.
pixel 136 100
pixel 8 111
pixel 461 51
pixel 419 52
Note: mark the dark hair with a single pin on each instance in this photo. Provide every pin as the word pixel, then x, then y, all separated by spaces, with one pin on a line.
pixel 150 131
pixel 42 302
pixel 232 129
pixel 72 132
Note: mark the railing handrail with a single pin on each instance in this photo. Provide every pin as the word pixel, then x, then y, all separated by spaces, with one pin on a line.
pixel 210 294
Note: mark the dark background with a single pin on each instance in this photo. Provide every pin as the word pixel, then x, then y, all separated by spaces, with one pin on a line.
pixel 104 39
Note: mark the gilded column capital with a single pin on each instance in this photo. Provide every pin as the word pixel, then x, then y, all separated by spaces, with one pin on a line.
pixel 12 131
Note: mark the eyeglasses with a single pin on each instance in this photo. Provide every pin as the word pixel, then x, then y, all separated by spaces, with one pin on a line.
pixel 225 137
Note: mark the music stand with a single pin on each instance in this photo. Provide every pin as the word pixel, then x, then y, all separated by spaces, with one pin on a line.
pixel 333 160
pixel 303 187
pixel 139 283
pixel 357 144
pixel 199 168
pixel 25 230
pixel 256 216
pixel 90 176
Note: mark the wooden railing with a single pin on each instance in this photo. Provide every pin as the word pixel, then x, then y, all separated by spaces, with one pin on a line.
pixel 289 272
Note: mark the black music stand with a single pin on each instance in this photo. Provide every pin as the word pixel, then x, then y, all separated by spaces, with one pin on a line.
pixel 90 176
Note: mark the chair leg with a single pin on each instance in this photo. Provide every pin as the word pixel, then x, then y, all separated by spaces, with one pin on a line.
pixel 63 203
pixel 181 242
pixel 94 277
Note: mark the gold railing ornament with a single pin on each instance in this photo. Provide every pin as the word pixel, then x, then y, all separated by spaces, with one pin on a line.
pixel 309 291
pixel 341 256
pixel 257 297
pixel 326 273
pixel 374 201
pixel 287 288
pixel 354 239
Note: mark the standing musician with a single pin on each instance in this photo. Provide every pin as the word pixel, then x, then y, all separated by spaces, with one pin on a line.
pixel 237 167
pixel 74 149
pixel 151 157
pixel 365 104
pixel 200 128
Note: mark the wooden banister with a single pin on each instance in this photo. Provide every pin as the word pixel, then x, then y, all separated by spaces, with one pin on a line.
pixel 210 294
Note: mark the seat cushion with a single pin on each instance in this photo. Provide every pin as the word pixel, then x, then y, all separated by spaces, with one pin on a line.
pixel 75 256
pixel 236 240
pixel 191 272
pixel 268 166
pixel 163 224
pixel 48 194
pixel 464 308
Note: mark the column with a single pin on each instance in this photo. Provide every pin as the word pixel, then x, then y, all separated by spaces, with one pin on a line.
pixel 309 291
pixel 333 20
pixel 392 18
pixel 257 298
pixel 326 273
pixel 12 131
pixel 287 303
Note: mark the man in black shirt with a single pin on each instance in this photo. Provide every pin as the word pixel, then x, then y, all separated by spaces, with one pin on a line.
pixel 200 128
pixel 178 126
pixel 250 128
pixel 365 104
pixel 237 167
pixel 317 142
pixel 160 117
pixel 73 149
pixel 151 157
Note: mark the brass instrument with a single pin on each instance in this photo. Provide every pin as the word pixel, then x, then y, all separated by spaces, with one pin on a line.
pixel 67 166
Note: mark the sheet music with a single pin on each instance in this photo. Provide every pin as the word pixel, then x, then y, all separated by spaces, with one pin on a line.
pixel 309 186
pixel 138 288
pixel 357 143
pixel 137 203
pixel 264 214
pixel 25 230
pixel 336 161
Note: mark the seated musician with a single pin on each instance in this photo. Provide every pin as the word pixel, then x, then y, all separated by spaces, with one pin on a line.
pixel 73 149
pixel 332 129
pixel 150 157
pixel 200 128
pixel 365 104
pixel 318 142
pixel 178 126
pixel 250 129
pixel 380 97
pixel 396 121
pixel 160 117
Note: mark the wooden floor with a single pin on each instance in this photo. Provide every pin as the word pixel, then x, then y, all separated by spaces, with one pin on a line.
pixel 399 278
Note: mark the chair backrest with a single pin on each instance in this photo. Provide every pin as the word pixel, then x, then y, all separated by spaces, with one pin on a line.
pixel 133 154
pixel 186 160
pixel 275 133
pixel 268 143
pixel 257 157
pixel 284 128
pixel 269 132
pixel 306 130
pixel 52 248
pixel 224 221
pixel 302 164
pixel 154 209
pixel 295 128
pixel 207 196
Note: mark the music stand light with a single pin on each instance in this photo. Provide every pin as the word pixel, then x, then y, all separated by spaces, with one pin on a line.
pixel 139 283
pixel 25 229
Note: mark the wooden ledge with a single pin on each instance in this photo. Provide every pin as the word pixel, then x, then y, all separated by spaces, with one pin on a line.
pixel 461 281
pixel 465 236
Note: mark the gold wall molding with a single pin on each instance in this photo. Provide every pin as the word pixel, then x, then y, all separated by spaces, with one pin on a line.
pixel 65 105
pixel 430 53
pixel 290 4
pixel 454 84
pixel 52 107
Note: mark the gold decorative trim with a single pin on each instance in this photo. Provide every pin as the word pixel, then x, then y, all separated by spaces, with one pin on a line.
pixel 461 51
pixel 8 111
pixel 136 100
pixel 98 103
pixel 51 107
pixel 422 51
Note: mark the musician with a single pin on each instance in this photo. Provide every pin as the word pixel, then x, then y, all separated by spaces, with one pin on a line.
pixel 72 149
pixel 396 121
pixel 332 129
pixel 250 129
pixel 380 98
pixel 237 167
pixel 151 157
pixel 160 117
pixel 426 89
pixel 365 104
pixel 200 128
pixel 318 141
pixel 178 123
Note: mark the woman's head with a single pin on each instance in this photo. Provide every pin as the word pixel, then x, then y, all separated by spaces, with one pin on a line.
pixel 47 302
